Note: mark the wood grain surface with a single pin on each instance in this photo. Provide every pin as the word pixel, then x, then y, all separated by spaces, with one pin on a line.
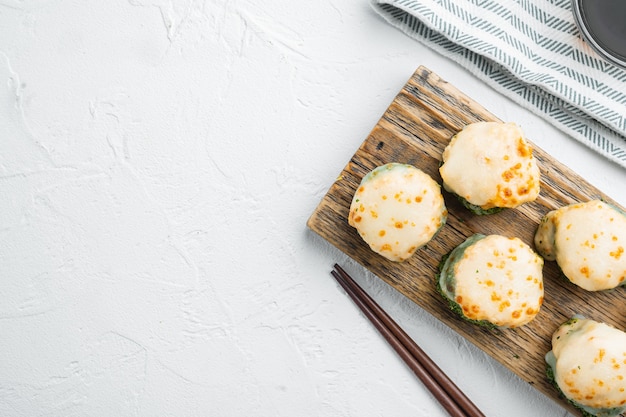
pixel 414 130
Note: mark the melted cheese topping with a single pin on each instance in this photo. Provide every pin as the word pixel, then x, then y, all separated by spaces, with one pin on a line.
pixel 590 363
pixel 587 240
pixel 397 209
pixel 499 279
pixel 490 164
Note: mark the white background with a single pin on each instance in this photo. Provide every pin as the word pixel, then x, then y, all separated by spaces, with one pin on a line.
pixel 158 162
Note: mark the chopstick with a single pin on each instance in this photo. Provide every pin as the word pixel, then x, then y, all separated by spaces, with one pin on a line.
pixel 436 381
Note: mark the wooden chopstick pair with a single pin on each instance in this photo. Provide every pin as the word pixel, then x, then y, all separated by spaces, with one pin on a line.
pixel 443 389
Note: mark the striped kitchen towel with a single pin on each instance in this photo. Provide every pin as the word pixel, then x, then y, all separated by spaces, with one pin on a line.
pixel 531 51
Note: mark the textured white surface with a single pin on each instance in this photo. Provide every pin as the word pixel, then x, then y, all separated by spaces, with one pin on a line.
pixel 158 162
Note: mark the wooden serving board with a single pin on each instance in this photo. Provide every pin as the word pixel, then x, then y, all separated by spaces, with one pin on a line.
pixel 415 130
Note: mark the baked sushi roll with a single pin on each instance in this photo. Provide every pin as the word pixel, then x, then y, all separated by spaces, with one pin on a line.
pixel 493 280
pixel 490 166
pixel 397 209
pixel 587 241
pixel 587 364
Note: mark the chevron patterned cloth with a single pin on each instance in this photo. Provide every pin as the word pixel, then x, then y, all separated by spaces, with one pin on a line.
pixel 531 51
